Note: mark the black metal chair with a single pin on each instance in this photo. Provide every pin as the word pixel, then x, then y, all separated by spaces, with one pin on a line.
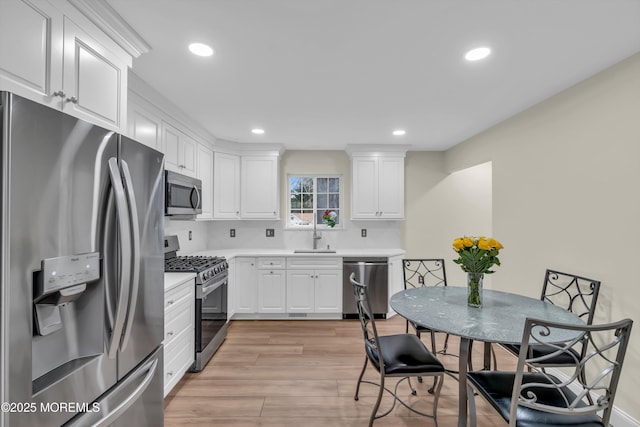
pixel 425 272
pixel 578 295
pixel 403 356
pixel 528 399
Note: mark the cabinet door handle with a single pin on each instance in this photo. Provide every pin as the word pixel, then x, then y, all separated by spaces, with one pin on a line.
pixel 170 373
pixel 59 93
pixel 72 100
pixel 170 302
pixel 170 333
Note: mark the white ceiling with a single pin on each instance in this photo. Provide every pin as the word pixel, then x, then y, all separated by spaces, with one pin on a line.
pixel 326 73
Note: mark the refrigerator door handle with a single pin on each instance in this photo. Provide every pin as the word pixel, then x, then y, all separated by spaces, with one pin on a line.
pixel 125 257
pixel 110 410
pixel 135 248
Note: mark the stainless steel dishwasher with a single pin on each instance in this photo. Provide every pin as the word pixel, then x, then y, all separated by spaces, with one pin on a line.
pixel 373 272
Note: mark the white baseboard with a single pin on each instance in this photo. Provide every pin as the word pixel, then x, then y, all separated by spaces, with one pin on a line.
pixel 619 418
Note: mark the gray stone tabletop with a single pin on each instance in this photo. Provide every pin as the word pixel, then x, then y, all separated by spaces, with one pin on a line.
pixel 500 319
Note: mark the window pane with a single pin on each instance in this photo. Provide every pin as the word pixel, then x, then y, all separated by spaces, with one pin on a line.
pixel 322 185
pixel 334 185
pixel 334 201
pixel 294 184
pixel 307 185
pixel 322 201
pixel 307 200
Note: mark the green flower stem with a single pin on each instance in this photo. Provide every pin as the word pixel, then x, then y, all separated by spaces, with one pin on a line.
pixel 474 298
pixel 474 294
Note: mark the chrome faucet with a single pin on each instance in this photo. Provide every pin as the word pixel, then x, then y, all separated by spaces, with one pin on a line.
pixel 316 236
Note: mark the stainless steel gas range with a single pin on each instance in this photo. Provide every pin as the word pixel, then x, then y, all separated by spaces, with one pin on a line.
pixel 211 298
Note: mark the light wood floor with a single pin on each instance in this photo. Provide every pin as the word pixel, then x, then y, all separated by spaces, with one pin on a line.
pixel 303 373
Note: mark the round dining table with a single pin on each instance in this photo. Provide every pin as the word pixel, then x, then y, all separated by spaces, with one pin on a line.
pixel 500 320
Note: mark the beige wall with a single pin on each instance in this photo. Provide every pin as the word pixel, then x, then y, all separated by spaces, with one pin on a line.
pixel 440 207
pixel 566 195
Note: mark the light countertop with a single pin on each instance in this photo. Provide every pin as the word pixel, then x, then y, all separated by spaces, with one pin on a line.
pixel 171 280
pixel 240 252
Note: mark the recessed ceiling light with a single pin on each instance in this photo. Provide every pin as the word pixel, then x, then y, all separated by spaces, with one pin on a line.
pixel 200 49
pixel 399 132
pixel 478 53
pixel 257 131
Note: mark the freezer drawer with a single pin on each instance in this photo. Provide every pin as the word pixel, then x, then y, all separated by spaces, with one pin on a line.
pixel 374 272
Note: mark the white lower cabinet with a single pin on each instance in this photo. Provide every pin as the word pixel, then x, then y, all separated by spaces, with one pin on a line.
pixel 246 285
pixel 328 291
pixel 179 332
pixel 286 285
pixel 314 285
pixel 300 291
pixel 271 291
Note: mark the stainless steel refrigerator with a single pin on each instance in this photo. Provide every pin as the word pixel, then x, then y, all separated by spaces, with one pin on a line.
pixel 81 321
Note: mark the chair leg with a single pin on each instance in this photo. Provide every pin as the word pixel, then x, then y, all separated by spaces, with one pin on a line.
pixel 364 367
pixel 377 405
pixel 446 344
pixel 419 336
pixel 472 405
pixel 436 396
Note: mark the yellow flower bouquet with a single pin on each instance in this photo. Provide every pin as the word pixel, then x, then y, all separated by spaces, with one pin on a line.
pixel 476 257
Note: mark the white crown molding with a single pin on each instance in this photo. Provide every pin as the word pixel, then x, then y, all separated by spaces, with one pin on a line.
pixel 108 20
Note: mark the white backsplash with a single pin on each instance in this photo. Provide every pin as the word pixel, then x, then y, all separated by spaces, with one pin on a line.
pixel 252 234
pixel 181 228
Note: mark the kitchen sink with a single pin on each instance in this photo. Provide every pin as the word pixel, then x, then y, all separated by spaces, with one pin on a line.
pixel 314 251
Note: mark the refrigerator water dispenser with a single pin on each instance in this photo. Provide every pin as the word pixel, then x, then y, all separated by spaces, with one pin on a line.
pixel 61 280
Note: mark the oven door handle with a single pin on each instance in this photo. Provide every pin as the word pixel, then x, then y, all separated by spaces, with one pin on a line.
pixel 204 293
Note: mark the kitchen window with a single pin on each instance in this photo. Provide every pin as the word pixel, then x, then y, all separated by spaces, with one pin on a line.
pixel 311 196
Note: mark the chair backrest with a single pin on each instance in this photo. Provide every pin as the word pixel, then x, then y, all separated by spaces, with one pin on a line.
pixel 577 294
pixel 601 365
pixel 423 272
pixel 367 322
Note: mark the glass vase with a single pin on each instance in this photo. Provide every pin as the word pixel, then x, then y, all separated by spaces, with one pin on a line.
pixel 474 289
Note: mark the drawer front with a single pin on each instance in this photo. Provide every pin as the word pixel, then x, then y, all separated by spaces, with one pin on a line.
pixel 177 296
pixel 272 262
pixel 178 356
pixel 178 319
pixel 314 262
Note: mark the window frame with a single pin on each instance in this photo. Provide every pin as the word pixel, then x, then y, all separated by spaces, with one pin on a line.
pixel 320 225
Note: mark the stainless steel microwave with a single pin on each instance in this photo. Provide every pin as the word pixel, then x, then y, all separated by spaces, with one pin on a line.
pixel 183 195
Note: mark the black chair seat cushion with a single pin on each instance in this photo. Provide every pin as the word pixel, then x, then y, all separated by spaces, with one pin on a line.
pixel 497 387
pixel 538 350
pixel 405 354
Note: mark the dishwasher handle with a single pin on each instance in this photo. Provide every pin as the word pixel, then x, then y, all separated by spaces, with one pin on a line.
pixel 367 260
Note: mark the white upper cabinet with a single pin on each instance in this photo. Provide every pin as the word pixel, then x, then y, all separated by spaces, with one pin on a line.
pixel 205 174
pixel 48 58
pixel 226 186
pixel 246 186
pixel 144 126
pixel 259 189
pixel 377 186
pixel 31 48
pixel 179 150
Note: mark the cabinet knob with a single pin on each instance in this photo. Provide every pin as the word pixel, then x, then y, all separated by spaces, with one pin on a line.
pixel 59 93
pixel 170 302
pixel 170 333
pixel 72 100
